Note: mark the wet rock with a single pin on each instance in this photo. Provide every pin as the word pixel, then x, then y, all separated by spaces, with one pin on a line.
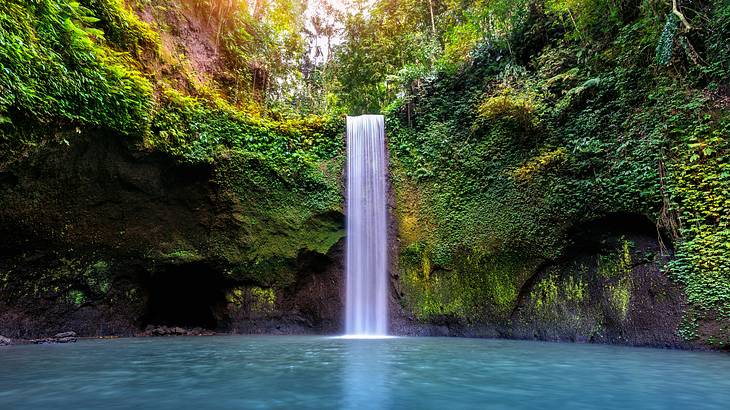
pixel 63 337
pixel 4 341
pixel 152 330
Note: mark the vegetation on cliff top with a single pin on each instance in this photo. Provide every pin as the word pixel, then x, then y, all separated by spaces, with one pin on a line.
pixel 95 63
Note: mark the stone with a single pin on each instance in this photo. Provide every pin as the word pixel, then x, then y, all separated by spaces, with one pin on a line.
pixel 4 341
pixel 160 331
pixel 63 337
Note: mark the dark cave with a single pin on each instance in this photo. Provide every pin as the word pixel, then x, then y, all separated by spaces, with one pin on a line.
pixel 600 234
pixel 190 295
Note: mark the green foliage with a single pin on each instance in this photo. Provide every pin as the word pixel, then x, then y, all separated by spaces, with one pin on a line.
pixel 196 129
pixel 68 66
pixel 509 122
pixel 73 280
pixel 508 106
pixel 578 131
pixel 546 292
pixel 718 48
pixel 254 301
pixel 263 46
pixel 562 301
pixel 700 192
pixel 586 17
pixel 122 27
pixel 473 287
pixel 55 69
pixel 372 62
pixel 62 65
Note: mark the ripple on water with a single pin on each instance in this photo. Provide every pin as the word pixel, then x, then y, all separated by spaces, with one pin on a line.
pixel 339 373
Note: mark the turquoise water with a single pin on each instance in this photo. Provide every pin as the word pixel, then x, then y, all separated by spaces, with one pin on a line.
pixel 231 372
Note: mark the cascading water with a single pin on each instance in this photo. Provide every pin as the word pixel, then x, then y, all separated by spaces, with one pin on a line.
pixel 367 254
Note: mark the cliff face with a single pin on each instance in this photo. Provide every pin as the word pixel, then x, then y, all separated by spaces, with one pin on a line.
pixel 608 287
pixel 103 239
pixel 557 191
pixel 142 184
pixel 522 178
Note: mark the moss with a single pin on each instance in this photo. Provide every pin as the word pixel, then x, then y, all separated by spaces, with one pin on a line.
pixel 560 305
pixel 576 290
pixel 620 295
pixel 616 264
pixel 263 301
pixel 275 215
pixel 615 268
pixel 76 297
pixel 552 291
pixel 70 278
pixel 255 300
pixel 474 288
pixel 545 294
pixel 180 256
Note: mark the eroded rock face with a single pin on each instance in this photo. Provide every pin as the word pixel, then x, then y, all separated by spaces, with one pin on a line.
pixel 95 232
pixel 619 295
pixel 607 287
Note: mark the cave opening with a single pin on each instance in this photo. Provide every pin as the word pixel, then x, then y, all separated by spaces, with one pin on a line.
pixel 599 234
pixel 189 295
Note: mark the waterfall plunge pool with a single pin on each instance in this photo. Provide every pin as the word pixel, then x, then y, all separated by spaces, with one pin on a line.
pixel 256 372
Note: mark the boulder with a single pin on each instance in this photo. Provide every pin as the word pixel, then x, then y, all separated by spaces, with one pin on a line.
pixel 63 337
pixel 152 330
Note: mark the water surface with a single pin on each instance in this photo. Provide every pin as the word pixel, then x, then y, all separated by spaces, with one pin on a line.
pixel 232 372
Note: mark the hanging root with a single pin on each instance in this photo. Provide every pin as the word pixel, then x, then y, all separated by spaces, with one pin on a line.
pixel 675 10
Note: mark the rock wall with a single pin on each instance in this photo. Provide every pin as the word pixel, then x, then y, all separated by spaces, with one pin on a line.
pixel 105 239
pixel 607 287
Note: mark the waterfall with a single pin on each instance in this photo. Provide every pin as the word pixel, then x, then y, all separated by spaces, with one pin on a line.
pixel 367 253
